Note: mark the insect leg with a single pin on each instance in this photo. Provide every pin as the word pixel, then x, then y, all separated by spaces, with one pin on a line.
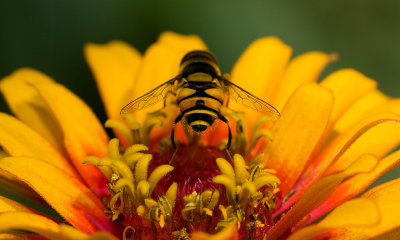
pixel 179 118
pixel 228 145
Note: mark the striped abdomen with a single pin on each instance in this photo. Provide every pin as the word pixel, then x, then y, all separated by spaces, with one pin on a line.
pixel 200 106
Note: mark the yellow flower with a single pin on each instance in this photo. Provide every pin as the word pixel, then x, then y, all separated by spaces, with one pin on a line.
pixel 296 177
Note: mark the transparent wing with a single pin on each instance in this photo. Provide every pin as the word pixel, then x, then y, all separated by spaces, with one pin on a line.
pixel 247 99
pixel 156 95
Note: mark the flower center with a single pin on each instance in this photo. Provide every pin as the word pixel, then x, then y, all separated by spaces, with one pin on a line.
pixel 199 191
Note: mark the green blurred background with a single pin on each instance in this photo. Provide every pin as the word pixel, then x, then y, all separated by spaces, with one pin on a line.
pixel 49 35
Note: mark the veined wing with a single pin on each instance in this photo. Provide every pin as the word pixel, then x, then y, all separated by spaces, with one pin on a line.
pixel 154 96
pixel 247 99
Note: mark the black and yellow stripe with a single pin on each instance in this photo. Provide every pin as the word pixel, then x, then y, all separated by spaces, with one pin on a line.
pixel 199 98
pixel 199 117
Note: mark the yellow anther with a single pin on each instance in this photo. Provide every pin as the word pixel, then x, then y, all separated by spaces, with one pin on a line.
pixel 141 210
pixel 122 128
pixel 162 221
pixel 259 134
pixel 171 194
pixel 106 171
pixel 124 182
pixel 143 189
pixel 238 189
pixel 122 169
pixel 241 173
pixel 226 168
pixel 104 165
pixel 136 148
pixel 148 124
pixel 269 179
pixel 260 121
pixel 208 211
pixel 214 200
pixel 142 167
pixel 229 184
pixel 132 158
pixel 247 191
pixel 157 174
pixel 113 149
pixel 190 197
pixel 149 203
pixel 223 211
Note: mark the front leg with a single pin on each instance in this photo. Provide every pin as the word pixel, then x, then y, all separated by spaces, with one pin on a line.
pixel 178 119
pixel 228 145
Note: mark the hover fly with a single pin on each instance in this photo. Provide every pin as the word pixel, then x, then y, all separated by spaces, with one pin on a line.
pixel 200 92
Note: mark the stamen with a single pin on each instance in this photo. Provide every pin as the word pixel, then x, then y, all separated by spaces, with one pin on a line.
pixel 157 174
pixel 148 124
pixel 134 132
pixel 121 128
pixel 240 142
pixel 197 204
pixel 246 189
pixel 140 203
pixel 142 167
pixel 130 186
pixel 259 122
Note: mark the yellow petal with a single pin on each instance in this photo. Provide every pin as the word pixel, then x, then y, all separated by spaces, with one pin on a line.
pixel 11 184
pixel 387 197
pixel 377 135
pixel 303 69
pixel 26 104
pixel 8 205
pixel 114 66
pixel 364 106
pixel 162 59
pixel 20 140
pixel 229 233
pixel 317 194
pixel 353 186
pixel 83 133
pixel 259 70
pixel 297 132
pixel 43 226
pixel 66 194
pixel 347 86
pixel 381 138
pixel 261 65
pixel 161 63
pixel 29 222
pixel 355 213
pixel 21 236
